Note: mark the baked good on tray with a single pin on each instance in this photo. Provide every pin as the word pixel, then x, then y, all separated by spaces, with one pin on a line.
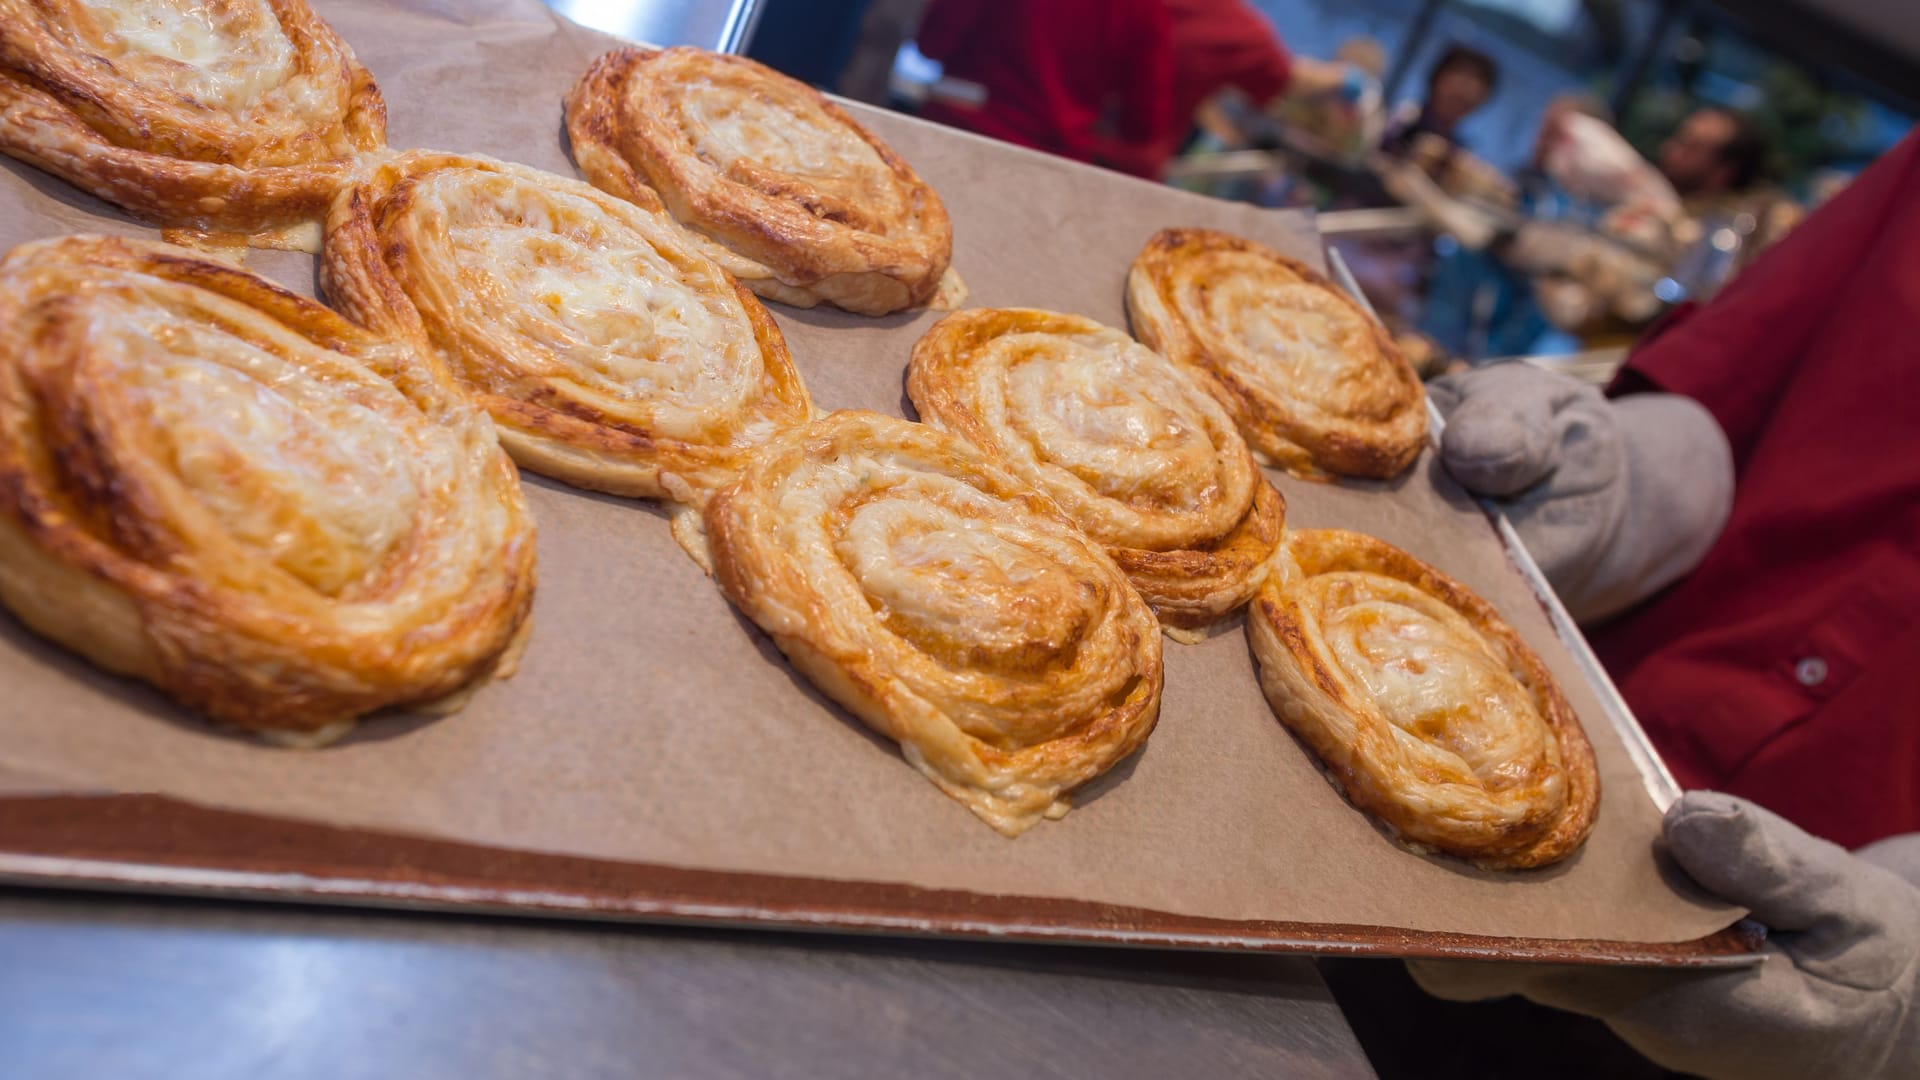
pixel 808 205
pixel 612 354
pixel 1422 703
pixel 1315 383
pixel 209 483
pixel 947 604
pixel 1129 444
pixel 235 116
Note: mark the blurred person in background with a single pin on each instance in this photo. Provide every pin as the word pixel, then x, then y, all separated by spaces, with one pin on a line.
pixel 1231 68
pixel 1714 152
pixel 1457 85
pixel 1738 524
pixel 1676 228
pixel 1605 239
pixel 1090 80
pixel 1119 83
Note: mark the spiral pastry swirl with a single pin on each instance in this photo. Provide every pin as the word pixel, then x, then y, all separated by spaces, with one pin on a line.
pixel 1422 703
pixel 1316 385
pixel 947 604
pixel 231 492
pixel 1131 446
pixel 612 354
pixel 235 116
pixel 810 205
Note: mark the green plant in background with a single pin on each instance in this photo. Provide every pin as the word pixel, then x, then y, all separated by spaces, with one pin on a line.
pixel 1651 116
pixel 1810 125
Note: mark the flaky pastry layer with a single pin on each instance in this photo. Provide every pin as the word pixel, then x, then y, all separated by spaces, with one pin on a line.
pixel 947 604
pixel 1423 704
pixel 1130 445
pixel 810 205
pixel 226 490
pixel 612 353
pixel 1315 383
pixel 231 117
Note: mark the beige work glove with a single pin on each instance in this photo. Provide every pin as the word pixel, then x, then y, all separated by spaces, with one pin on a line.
pixel 1614 499
pixel 1838 994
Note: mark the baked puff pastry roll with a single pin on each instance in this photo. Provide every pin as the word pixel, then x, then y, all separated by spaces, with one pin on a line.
pixel 1422 703
pixel 234 116
pixel 611 353
pixel 234 494
pixel 1315 383
pixel 810 205
pixel 947 604
pixel 1131 446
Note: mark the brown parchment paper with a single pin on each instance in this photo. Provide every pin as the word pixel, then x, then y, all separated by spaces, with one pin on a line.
pixel 650 724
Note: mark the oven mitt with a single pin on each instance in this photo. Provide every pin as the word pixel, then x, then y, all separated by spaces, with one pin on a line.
pixel 1614 499
pixel 1838 994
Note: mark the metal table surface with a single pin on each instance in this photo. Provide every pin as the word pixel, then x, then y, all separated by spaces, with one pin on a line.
pixel 144 987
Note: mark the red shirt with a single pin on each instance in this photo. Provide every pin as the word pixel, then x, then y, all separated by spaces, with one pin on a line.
pixel 1085 79
pixel 1218 44
pixel 1786 667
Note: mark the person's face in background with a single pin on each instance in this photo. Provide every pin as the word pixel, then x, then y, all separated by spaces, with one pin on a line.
pixel 1691 158
pixel 1457 91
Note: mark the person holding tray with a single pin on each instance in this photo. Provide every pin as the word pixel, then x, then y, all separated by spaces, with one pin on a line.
pixel 1738 523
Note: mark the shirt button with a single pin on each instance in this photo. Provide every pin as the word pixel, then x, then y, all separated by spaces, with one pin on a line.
pixel 1810 671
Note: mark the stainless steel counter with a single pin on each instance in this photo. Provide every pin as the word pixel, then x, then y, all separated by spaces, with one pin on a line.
pixel 132 989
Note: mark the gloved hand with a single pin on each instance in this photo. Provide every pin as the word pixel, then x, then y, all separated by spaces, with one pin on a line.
pixel 1838 994
pixel 1614 499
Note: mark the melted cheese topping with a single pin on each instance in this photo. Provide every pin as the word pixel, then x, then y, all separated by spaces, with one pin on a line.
pixel 770 144
pixel 223 54
pixel 1422 704
pixel 1010 622
pixel 247 450
pixel 234 502
pixel 947 605
pixel 1288 340
pixel 971 595
pixel 215 80
pixel 1459 714
pixel 316 483
pixel 729 125
pixel 1134 451
pixel 553 286
pixel 261 448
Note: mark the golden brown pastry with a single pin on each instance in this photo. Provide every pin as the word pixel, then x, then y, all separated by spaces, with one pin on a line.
pixel 811 205
pixel 1130 445
pixel 232 116
pixel 1316 385
pixel 1421 702
pixel 612 354
pixel 947 604
pixel 231 492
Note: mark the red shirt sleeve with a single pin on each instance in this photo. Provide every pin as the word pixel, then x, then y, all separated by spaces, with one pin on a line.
pixel 1266 65
pixel 1736 354
pixel 1145 102
pixel 1143 58
pixel 1221 43
pixel 946 24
